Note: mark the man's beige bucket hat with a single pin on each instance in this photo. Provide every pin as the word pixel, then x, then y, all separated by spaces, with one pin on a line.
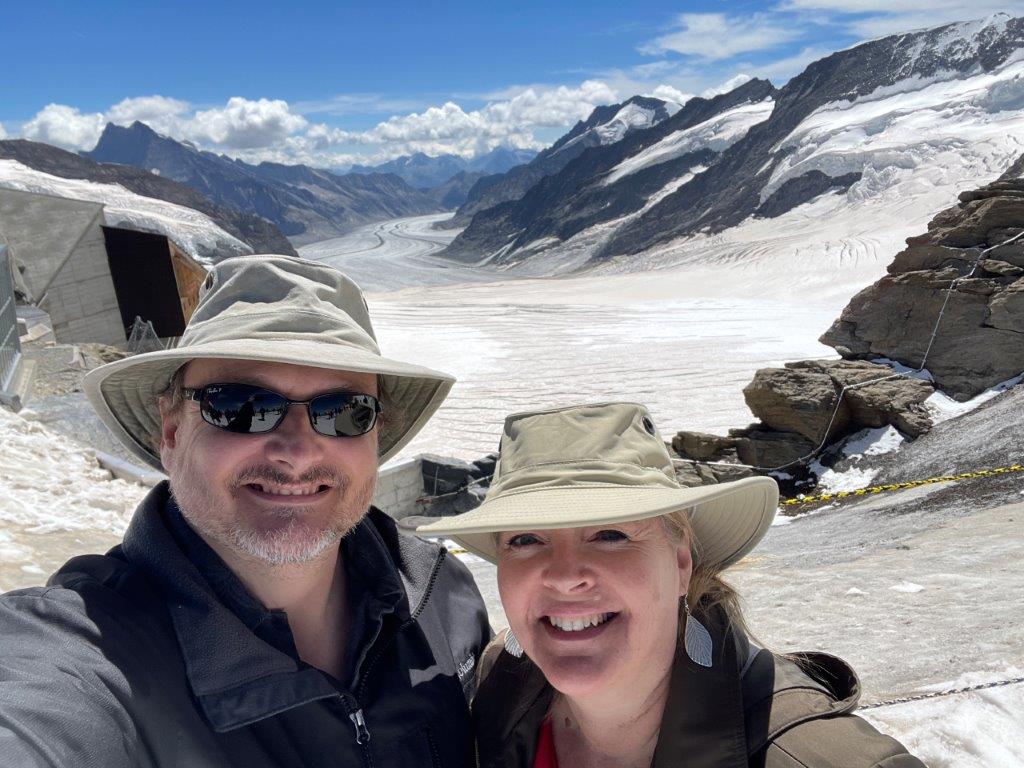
pixel 269 309
pixel 595 464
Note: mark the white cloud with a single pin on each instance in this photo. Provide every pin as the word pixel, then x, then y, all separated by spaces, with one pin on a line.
pixel 733 82
pixel 162 114
pixel 266 129
pixel 671 93
pixel 246 124
pixel 3 133
pixel 716 36
pixel 65 127
pixel 878 18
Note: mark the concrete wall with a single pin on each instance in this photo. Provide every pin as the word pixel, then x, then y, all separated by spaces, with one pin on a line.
pixel 81 299
pixel 398 487
pixel 41 230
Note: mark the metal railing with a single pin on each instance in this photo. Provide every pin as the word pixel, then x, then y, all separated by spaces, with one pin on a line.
pixel 10 347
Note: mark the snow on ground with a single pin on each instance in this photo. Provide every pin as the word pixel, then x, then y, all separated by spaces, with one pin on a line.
pixel 630 118
pixel 191 230
pixel 717 134
pixel 52 492
pixel 975 730
pixel 941 407
pixel 867 442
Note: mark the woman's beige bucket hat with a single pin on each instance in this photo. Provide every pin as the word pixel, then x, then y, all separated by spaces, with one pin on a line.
pixel 272 309
pixel 594 464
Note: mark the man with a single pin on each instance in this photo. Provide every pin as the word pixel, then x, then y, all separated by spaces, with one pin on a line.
pixel 255 613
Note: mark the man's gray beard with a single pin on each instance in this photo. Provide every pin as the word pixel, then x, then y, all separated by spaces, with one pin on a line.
pixel 287 545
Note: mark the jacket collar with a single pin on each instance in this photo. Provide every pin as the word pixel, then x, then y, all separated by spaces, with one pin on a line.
pixel 781 692
pixel 703 718
pixel 236 677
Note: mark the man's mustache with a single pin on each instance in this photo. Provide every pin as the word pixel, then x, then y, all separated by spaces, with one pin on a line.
pixel 320 475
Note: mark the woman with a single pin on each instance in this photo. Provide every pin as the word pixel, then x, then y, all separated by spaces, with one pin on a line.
pixel 625 648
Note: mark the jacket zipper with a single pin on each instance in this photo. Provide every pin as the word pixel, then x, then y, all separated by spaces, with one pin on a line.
pixel 355 714
pixel 355 711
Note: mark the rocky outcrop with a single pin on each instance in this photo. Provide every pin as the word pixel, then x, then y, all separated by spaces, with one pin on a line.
pixel 974 252
pixel 802 398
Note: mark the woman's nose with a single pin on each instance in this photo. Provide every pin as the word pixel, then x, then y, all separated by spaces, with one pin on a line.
pixel 567 571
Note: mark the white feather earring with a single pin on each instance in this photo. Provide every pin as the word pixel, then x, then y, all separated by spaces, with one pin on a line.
pixel 512 644
pixel 697 640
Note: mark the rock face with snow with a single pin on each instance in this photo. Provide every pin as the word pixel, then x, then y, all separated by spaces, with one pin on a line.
pixel 616 178
pixel 605 125
pixel 307 204
pixel 834 106
pixel 255 231
pixel 973 247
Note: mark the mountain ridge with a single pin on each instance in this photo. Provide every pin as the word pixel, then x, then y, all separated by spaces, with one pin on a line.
pixel 305 203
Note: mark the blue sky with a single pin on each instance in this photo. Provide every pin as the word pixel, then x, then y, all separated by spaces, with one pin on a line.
pixel 335 83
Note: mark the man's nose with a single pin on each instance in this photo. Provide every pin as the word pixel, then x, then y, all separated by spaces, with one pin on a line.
pixel 294 441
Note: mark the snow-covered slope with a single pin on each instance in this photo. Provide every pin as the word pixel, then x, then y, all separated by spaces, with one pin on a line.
pixel 717 134
pixel 945 125
pixel 613 180
pixel 190 229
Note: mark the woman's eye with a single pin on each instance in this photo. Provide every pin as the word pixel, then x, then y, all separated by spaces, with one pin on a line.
pixel 521 540
pixel 610 535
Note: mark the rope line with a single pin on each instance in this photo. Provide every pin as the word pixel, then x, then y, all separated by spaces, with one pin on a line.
pixel 937 694
pixel 876 489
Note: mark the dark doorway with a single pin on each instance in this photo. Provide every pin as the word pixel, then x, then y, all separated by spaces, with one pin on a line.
pixel 140 265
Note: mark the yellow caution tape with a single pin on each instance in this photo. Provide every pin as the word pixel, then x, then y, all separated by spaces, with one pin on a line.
pixel 876 489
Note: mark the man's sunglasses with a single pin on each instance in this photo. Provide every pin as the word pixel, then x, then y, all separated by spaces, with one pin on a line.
pixel 250 410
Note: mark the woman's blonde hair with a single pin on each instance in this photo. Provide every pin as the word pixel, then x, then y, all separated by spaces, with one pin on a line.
pixel 708 590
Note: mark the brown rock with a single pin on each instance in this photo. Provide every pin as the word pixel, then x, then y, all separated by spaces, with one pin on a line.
pixel 918 257
pixel 998 267
pixel 1006 311
pixel 700 445
pixel 769 449
pixel 977 217
pixel 896 316
pixel 788 400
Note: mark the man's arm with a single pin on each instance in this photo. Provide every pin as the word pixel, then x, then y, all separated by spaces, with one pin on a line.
pixel 60 696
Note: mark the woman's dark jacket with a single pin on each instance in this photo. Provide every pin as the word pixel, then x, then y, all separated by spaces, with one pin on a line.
pixel 154 655
pixel 750 709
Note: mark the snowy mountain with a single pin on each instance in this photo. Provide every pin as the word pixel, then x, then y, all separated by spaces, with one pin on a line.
pixel 52 165
pixel 307 204
pixel 605 125
pixel 636 163
pixel 882 109
pixel 425 172
pixel 856 153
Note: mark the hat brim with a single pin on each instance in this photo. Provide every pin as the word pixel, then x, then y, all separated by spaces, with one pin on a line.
pixel 124 393
pixel 729 519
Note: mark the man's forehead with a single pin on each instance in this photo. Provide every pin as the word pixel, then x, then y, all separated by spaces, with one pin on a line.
pixel 221 370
